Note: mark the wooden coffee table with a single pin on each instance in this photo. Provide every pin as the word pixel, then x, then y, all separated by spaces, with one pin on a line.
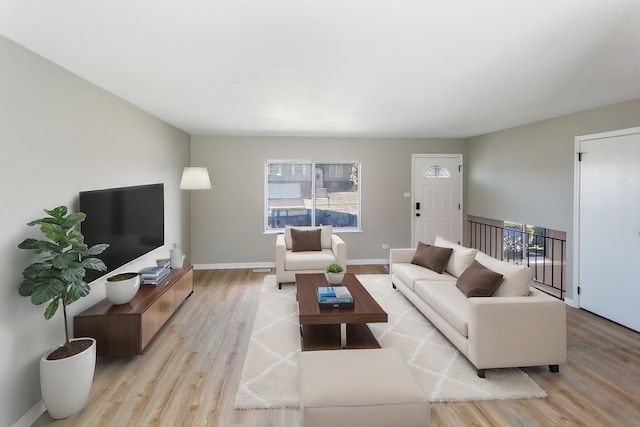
pixel 336 328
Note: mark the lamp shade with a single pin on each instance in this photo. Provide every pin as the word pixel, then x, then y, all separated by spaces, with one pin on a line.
pixel 195 179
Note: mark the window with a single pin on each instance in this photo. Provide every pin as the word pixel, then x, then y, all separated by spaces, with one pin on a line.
pixel 298 169
pixel 335 171
pixel 295 196
pixel 275 169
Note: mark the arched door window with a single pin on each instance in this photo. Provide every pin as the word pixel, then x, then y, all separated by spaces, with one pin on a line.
pixel 437 171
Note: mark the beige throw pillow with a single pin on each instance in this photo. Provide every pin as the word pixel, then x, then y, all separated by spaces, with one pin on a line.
pixel 432 257
pixel 460 259
pixel 516 278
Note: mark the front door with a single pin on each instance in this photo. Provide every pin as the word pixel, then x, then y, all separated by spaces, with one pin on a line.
pixel 437 198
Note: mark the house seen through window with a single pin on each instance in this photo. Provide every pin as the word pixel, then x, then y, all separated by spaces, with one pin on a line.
pixel 305 193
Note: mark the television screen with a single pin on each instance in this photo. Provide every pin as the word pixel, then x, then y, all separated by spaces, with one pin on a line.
pixel 130 219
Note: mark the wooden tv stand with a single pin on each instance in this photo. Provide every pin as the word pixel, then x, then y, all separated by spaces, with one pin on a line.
pixel 127 329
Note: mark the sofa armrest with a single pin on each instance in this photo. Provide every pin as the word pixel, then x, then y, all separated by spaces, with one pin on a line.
pixel 401 255
pixel 281 250
pixel 517 331
pixel 339 249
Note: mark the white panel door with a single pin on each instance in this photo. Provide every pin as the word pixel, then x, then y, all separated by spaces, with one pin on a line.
pixel 437 198
pixel 609 228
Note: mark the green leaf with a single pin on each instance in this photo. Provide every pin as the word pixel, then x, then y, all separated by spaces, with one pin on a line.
pixel 55 233
pixel 43 221
pixel 79 249
pixel 94 264
pixel 52 308
pixel 38 246
pixel 26 288
pixel 46 289
pixel 58 212
pixel 97 249
pixel 73 220
pixel 74 272
pixel 64 261
pixel 77 290
pixel 75 237
pixel 36 270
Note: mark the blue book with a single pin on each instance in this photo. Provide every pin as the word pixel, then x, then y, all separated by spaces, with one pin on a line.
pixel 326 291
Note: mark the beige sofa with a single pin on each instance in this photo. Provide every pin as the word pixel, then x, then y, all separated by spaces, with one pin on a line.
pixel 289 263
pixel 517 326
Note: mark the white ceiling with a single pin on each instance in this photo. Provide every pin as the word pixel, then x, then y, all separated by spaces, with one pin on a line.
pixel 407 68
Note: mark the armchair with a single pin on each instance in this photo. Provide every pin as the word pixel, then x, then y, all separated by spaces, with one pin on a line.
pixel 290 260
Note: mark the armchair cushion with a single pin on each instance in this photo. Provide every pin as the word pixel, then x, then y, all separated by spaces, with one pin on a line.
pixel 305 240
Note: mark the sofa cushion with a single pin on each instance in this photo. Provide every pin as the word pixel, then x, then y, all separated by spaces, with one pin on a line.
pixel 305 240
pixel 447 301
pixel 460 259
pixel 325 235
pixel 432 257
pixel 316 260
pixel 409 273
pixel 478 281
pixel 515 278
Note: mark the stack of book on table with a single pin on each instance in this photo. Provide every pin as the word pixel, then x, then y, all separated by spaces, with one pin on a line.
pixel 334 297
pixel 155 275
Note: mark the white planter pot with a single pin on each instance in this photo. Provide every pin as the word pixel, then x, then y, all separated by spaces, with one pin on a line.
pixel 122 291
pixel 65 384
pixel 334 278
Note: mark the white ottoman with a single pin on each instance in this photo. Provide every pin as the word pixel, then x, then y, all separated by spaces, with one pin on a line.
pixel 359 388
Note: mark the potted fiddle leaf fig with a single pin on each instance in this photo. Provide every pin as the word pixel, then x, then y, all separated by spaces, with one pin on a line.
pixel 56 277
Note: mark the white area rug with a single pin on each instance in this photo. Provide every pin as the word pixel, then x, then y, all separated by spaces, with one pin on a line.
pixel 269 375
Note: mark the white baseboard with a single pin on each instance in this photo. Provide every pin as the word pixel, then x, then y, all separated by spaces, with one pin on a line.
pixel 31 416
pixel 226 266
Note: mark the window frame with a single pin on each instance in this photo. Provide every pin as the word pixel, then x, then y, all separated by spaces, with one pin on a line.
pixel 312 164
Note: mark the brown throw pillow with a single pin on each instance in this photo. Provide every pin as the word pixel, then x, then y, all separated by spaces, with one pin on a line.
pixel 305 240
pixel 432 257
pixel 478 281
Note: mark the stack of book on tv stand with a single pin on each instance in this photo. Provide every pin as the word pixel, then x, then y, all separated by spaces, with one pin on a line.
pixel 153 276
pixel 335 297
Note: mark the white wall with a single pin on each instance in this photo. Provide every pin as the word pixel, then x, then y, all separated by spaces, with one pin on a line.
pixel 228 222
pixel 525 174
pixel 60 135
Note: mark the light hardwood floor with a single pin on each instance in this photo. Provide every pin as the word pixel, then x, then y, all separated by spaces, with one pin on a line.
pixel 189 375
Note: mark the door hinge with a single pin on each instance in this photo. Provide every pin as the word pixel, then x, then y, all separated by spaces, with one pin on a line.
pixel 579 290
pixel 580 156
pixel 459 168
pixel 459 206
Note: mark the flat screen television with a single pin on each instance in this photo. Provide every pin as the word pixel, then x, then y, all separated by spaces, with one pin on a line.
pixel 130 219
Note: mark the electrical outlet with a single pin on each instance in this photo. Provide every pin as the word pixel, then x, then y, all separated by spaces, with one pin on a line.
pixel 385 246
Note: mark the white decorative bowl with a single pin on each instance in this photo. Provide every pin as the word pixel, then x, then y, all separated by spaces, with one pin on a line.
pixel 122 291
pixel 334 278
